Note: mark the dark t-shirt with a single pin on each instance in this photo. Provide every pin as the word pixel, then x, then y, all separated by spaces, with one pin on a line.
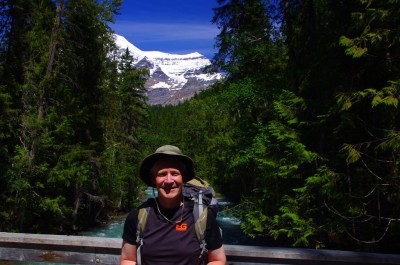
pixel 167 243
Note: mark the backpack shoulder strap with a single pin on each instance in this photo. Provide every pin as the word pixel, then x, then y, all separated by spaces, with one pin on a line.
pixel 201 223
pixel 200 214
pixel 142 220
pixel 143 213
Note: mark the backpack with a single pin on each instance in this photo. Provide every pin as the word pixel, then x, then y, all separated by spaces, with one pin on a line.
pixel 203 196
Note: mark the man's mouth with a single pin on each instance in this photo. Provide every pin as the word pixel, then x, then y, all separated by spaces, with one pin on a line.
pixel 168 189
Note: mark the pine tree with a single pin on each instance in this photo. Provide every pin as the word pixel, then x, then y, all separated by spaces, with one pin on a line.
pixel 55 59
pixel 344 196
pixel 127 113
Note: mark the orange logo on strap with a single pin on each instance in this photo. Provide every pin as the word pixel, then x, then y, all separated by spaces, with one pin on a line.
pixel 181 227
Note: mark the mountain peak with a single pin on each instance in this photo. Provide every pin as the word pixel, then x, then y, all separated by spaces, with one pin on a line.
pixel 173 77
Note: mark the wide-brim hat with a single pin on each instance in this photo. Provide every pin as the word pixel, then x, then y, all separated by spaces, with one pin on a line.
pixel 166 151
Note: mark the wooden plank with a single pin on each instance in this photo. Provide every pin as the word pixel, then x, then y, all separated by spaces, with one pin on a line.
pixel 33 255
pixel 308 256
pixel 60 240
pixel 300 255
pixel 100 250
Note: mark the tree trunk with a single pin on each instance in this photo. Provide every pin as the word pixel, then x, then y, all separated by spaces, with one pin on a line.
pixel 50 63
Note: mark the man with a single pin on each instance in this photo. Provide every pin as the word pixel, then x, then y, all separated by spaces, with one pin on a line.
pixel 169 236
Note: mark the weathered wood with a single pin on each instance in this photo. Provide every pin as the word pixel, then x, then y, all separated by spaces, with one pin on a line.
pixel 274 255
pixel 59 248
pixel 60 240
pixel 100 250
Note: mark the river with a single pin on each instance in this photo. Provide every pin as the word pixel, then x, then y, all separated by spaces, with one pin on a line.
pixel 230 225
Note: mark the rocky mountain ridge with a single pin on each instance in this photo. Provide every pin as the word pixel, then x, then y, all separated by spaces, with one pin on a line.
pixel 173 78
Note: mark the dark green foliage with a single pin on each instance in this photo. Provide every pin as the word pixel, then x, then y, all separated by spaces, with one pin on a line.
pixel 353 175
pixel 303 133
pixel 127 112
pixel 60 168
pixel 201 127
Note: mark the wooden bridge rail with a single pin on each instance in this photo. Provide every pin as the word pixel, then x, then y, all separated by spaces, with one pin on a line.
pixel 101 250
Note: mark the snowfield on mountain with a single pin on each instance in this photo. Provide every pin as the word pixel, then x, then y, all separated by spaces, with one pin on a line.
pixel 173 78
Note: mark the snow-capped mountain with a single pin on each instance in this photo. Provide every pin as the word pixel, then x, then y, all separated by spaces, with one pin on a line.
pixel 173 78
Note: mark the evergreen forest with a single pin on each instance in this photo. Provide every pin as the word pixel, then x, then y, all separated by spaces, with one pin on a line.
pixel 302 133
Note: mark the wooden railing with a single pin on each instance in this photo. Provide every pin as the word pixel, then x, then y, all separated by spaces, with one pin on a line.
pixel 101 250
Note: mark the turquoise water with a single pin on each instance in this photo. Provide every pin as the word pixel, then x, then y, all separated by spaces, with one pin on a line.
pixel 112 229
pixel 231 231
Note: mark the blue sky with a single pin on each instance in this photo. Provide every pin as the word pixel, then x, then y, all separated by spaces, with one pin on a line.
pixel 176 26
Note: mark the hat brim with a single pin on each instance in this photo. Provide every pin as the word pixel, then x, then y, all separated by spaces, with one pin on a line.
pixel 149 161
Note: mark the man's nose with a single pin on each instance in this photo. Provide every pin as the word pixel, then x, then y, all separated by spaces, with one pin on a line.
pixel 168 178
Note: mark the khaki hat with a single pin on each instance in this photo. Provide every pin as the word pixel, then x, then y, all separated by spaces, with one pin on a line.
pixel 166 151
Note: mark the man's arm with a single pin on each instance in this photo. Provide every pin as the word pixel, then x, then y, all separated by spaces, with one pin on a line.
pixel 217 256
pixel 128 254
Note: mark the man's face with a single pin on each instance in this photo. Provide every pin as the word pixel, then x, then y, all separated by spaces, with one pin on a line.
pixel 168 178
